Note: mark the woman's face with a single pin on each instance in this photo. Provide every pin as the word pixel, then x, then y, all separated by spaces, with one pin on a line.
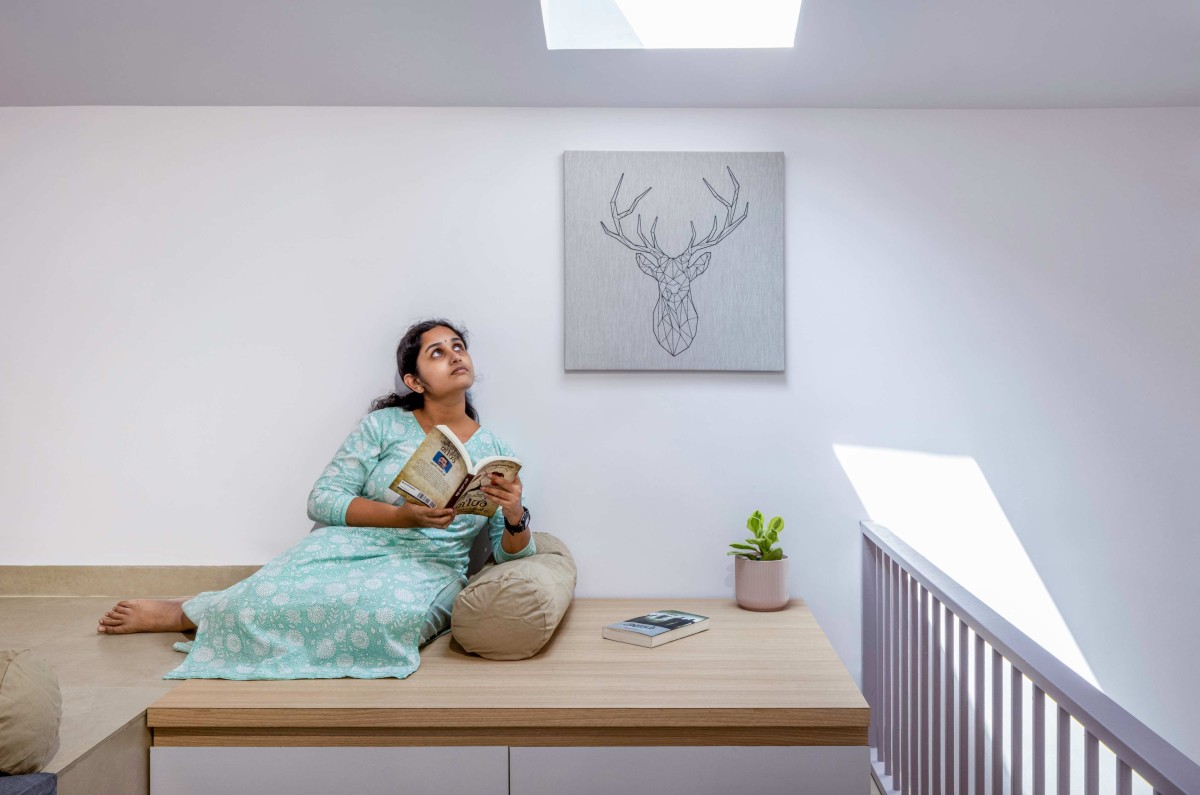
pixel 443 364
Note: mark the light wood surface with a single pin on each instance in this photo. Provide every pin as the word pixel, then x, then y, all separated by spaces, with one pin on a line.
pixel 107 682
pixel 118 581
pixel 528 737
pixel 751 679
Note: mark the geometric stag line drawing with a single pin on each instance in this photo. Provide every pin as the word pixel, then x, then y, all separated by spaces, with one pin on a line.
pixel 676 321
pixel 717 302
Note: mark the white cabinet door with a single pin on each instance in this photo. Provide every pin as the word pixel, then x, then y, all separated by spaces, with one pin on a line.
pixel 468 770
pixel 692 770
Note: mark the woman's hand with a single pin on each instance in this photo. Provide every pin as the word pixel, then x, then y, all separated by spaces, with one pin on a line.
pixel 413 515
pixel 508 494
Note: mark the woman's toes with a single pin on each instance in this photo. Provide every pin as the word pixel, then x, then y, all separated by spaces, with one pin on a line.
pixel 122 607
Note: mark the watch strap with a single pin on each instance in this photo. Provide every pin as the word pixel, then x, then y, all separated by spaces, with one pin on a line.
pixel 519 526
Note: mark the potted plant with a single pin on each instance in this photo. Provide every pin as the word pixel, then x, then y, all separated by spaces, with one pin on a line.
pixel 760 569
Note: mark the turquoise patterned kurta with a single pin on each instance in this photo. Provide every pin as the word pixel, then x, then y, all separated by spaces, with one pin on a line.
pixel 345 601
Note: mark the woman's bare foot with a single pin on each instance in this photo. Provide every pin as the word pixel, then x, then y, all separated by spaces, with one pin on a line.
pixel 145 615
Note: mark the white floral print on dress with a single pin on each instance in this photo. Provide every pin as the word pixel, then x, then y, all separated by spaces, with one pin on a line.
pixel 344 601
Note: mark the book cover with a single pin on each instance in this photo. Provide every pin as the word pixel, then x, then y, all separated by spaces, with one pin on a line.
pixel 440 474
pixel 654 629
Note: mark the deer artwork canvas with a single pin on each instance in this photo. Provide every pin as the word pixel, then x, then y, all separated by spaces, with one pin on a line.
pixel 674 261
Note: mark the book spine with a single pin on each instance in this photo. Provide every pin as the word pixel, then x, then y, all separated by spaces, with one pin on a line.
pixel 462 488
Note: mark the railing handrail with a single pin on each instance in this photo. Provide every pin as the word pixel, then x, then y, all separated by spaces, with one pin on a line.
pixel 1164 766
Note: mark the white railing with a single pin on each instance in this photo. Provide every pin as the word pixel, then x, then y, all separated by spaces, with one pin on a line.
pixel 941 726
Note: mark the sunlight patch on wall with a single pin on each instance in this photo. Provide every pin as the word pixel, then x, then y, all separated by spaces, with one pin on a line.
pixel 942 506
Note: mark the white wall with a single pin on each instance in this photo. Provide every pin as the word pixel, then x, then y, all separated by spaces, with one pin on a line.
pixel 199 303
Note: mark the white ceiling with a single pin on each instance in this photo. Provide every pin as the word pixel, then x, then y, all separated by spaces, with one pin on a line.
pixel 848 53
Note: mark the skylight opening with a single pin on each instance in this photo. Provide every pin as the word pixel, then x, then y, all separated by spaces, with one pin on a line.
pixel 669 24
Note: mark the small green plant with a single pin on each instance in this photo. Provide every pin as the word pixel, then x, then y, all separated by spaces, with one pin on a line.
pixel 762 546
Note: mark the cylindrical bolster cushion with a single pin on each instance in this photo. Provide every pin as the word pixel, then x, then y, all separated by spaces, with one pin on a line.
pixel 509 611
pixel 30 711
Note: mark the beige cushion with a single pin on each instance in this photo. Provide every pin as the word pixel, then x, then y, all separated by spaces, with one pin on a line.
pixel 30 709
pixel 509 610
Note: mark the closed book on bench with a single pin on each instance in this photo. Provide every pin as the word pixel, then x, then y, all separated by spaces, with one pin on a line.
pixel 657 628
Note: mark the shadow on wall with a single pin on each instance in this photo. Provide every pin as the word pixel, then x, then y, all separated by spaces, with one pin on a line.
pixel 944 508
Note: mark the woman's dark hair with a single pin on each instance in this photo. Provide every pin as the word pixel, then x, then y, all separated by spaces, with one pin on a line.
pixel 406 364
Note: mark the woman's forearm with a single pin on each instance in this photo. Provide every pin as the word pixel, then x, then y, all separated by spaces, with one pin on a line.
pixel 362 512
pixel 513 543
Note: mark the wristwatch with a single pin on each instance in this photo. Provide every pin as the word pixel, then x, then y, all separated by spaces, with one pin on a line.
pixel 519 526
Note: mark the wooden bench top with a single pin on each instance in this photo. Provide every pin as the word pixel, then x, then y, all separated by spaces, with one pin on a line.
pixel 751 679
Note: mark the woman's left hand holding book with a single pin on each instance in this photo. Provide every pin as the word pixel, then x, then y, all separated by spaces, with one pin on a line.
pixel 363 512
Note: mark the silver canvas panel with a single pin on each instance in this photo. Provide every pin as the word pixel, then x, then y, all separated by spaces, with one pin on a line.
pixel 700 287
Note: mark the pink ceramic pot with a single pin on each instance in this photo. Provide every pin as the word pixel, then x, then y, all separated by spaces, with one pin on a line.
pixel 761 584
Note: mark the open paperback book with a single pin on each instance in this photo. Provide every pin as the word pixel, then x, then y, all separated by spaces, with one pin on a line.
pixel 440 474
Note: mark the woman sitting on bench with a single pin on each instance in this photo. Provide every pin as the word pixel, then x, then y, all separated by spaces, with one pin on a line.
pixel 358 597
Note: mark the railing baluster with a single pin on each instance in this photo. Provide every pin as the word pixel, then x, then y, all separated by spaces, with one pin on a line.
pixel 964 708
pixel 885 629
pixel 1039 741
pixel 948 727
pixel 885 666
pixel 1124 779
pixel 1064 752
pixel 1017 734
pixel 1091 765
pixel 905 695
pixel 979 733
pixel 948 733
pixel 914 690
pixel 894 755
pixel 881 658
pixel 935 685
pixel 868 641
pixel 997 723
pixel 923 695
pixel 877 709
